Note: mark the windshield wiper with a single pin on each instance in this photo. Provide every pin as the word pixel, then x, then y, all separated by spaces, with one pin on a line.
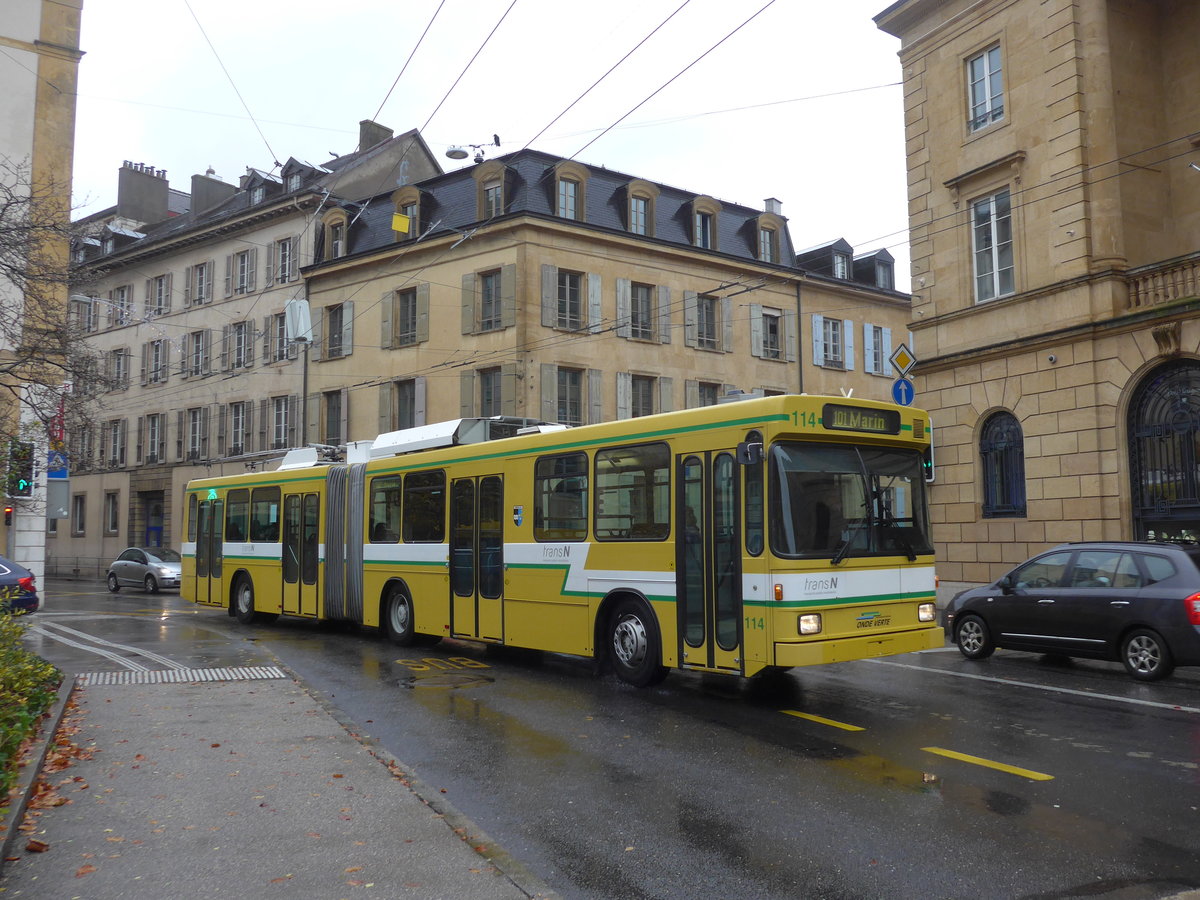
pixel 843 549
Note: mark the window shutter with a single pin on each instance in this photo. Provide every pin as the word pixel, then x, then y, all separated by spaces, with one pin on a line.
pixel 139 451
pixel 887 349
pixel 593 301
pixel 666 394
pixel 756 329
pixel 222 429
pixel 468 303
pixel 624 395
pixel 419 400
pixel 422 312
pixel 848 337
pixel 145 362
pixel 664 314
pixel 294 258
pixel 248 428
pixel 318 333
pixel 691 393
pixel 267 335
pixel 690 318
pixel 225 330
pixel 550 303
pixel 624 308
pixel 122 439
pixel 868 347
pixel 181 434
pixel 387 303
pixel 818 339
pixel 313 414
pixel 293 415
pixel 148 303
pixel 386 392
pixel 251 266
pixel 250 342
pixel 189 277
pixel 269 274
pixel 264 420
pixel 229 275
pixel 206 352
pixel 549 388
pixel 204 432
pixel 508 389
pixel 595 383
pixel 508 295
pixel 727 324
pixel 789 334
pixel 466 394
pixel 347 328
pixel 344 420
pixel 210 288
pixel 185 356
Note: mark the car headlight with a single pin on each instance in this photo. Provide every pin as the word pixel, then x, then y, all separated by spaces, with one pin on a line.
pixel 927 612
pixel 809 623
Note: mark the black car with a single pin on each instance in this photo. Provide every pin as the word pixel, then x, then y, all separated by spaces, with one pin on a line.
pixel 1136 602
pixel 18 589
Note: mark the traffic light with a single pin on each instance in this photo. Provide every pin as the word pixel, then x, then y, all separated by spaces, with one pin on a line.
pixel 927 462
pixel 8 515
pixel 20 469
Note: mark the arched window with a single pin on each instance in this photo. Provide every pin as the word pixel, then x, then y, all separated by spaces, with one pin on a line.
pixel 1002 453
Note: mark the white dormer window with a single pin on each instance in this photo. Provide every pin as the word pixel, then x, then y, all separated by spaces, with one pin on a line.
pixel 841 265
pixel 258 194
pixel 293 182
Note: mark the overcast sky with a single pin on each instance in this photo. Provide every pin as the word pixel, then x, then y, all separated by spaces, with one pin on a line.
pixel 802 103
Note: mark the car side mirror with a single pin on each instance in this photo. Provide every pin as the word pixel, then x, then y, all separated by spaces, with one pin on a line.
pixel 1005 584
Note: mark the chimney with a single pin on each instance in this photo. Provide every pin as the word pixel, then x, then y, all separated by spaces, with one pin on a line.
pixel 142 193
pixel 208 191
pixel 372 133
pixel 773 206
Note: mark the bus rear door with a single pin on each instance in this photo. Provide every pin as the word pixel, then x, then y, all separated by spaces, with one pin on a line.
pixel 477 557
pixel 708 562
pixel 301 548
pixel 210 521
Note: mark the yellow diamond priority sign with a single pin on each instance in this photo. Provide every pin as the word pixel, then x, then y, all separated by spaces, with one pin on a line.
pixel 903 360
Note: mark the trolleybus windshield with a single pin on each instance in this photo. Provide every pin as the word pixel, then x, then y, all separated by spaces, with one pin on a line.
pixel 836 501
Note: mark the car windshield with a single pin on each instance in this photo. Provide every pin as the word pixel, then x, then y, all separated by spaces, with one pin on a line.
pixel 165 554
pixel 836 501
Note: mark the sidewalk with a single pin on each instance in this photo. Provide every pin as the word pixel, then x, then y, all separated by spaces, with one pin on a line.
pixel 243 788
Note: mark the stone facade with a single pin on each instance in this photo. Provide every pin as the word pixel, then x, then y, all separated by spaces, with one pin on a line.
pixel 1067 127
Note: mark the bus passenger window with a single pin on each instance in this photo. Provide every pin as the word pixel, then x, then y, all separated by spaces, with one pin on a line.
pixel 633 493
pixel 424 515
pixel 560 491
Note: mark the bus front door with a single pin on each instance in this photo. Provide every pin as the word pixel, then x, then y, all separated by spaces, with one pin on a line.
pixel 301 547
pixel 708 562
pixel 210 555
pixel 477 557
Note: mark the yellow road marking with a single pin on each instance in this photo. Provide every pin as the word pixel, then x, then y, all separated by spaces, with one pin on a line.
pixel 991 764
pixel 820 720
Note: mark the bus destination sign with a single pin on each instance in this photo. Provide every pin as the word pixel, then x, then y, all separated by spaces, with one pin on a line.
pixel 838 417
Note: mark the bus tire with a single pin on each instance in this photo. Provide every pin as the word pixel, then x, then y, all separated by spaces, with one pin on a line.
pixel 398 617
pixel 634 645
pixel 243 601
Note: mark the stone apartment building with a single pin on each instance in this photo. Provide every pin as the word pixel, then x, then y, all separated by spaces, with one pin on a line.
pixel 525 285
pixel 1053 152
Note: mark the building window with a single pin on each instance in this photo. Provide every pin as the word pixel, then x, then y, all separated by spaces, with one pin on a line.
pixel 333 417
pixel 831 340
pixel 877 348
pixel 118 370
pixel 985 92
pixel 708 324
pixel 240 336
pixel 154 437
pixel 841 265
pixel 195 433
pixel 114 436
pixel 570 396
pixel 338 330
pixel 768 245
pixel 1002 455
pixel 158 297
pixel 639 214
pixel 257 195
pixel 570 300
pixel 112 512
pixel 243 267
pixel 493 199
pixel 200 282
pixel 992 238
pixel 279 341
pixel 490 312
pixel 87 313
pixel 703 230
pixel 641 311
pixel 285 260
pixel 404 400
pixel 709 393
pixel 237 428
pixel 279 423
pixel 156 361
pixel 641 395
pixel 490 399
pixel 293 182
pixel 568 198
pixel 771 340
pixel 337 240
pixel 406 318
pixel 78 513
pixel 120 306
pixel 884 277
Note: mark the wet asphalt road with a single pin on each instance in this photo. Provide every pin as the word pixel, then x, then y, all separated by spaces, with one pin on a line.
pixel 918 776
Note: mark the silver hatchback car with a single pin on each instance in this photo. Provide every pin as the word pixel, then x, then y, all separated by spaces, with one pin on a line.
pixel 150 568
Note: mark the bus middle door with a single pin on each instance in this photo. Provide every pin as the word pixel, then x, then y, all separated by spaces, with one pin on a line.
pixel 210 554
pixel 708 568
pixel 477 557
pixel 301 548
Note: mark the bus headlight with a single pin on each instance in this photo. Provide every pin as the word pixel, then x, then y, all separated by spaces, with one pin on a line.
pixel 927 612
pixel 809 623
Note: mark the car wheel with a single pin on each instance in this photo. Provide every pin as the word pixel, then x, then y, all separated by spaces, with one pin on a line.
pixel 1146 655
pixel 113 584
pixel 151 585
pixel 398 618
pixel 634 644
pixel 973 638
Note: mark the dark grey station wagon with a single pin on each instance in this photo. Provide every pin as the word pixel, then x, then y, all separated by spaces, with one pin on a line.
pixel 1135 602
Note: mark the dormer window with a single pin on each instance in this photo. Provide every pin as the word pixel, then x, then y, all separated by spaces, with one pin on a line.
pixel 704 222
pixel 640 212
pixel 570 186
pixel 883 275
pixel 568 198
pixel 489 186
pixel 108 244
pixel 841 265
pixel 257 195
pixel 406 220
pixel 335 232
pixel 293 182
pixel 768 245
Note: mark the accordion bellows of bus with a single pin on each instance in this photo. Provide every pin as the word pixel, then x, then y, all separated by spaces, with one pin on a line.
pixel 744 537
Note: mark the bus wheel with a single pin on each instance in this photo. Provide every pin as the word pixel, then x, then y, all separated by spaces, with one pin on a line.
pixel 398 618
pixel 634 644
pixel 243 601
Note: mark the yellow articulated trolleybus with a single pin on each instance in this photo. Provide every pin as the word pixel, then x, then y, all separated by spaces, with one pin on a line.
pixel 745 537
